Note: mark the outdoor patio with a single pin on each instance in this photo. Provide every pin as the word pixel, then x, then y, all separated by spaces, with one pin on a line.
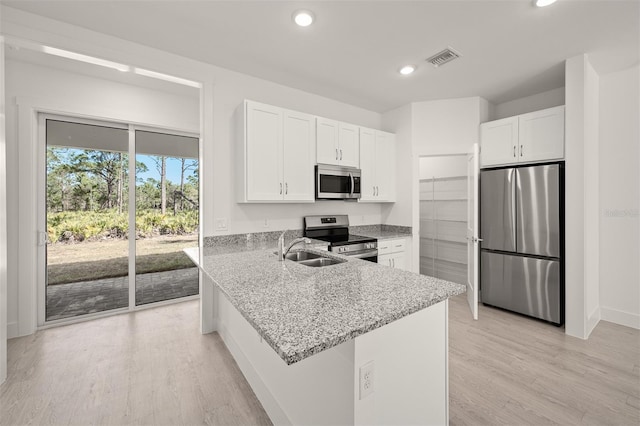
pixel 85 297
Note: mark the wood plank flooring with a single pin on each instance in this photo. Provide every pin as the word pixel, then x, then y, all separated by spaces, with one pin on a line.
pixel 153 367
pixel 506 369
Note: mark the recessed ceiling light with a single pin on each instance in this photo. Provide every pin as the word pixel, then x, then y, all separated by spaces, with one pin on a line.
pixel 303 18
pixel 407 69
pixel 543 3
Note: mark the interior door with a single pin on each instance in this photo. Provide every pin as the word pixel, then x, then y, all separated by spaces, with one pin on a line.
pixel 473 172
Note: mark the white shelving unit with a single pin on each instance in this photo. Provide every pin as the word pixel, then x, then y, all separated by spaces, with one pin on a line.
pixel 443 225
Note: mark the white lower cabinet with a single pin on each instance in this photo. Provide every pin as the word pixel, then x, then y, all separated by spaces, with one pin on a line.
pixel 392 253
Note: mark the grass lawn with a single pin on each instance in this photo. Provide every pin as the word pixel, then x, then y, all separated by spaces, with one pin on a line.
pixel 85 261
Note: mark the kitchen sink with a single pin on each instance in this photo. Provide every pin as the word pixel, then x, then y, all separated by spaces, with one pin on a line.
pixel 321 261
pixel 312 259
pixel 299 256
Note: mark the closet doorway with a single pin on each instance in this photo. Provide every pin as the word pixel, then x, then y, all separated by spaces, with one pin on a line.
pixel 443 217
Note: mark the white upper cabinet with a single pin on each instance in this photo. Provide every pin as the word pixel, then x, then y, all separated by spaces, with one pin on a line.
pixel 337 143
pixel 533 137
pixel 385 166
pixel 276 155
pixel 299 156
pixel 327 151
pixel 377 162
pixel 498 141
pixel 541 135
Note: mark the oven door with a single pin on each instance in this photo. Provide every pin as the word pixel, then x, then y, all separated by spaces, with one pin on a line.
pixel 369 255
pixel 335 182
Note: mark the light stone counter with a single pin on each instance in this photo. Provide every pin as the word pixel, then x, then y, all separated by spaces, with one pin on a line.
pixel 301 311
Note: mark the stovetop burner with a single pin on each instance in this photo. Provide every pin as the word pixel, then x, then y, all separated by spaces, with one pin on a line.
pixel 335 230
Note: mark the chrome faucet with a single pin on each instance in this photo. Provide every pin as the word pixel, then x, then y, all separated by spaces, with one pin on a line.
pixel 282 251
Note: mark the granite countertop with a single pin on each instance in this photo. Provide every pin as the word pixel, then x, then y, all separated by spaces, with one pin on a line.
pixel 381 232
pixel 300 311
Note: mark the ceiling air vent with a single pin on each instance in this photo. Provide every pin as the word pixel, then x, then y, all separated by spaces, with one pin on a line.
pixel 441 58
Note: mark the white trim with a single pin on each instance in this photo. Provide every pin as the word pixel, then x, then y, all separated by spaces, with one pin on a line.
pixel 113 312
pixel 12 330
pixel 132 218
pixel 592 321
pixel 616 316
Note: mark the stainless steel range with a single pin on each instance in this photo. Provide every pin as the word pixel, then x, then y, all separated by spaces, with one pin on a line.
pixel 335 230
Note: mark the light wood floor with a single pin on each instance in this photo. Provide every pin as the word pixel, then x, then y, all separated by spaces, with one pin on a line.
pixel 506 369
pixel 153 367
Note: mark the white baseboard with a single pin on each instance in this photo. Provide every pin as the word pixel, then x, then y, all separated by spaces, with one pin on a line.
pixel 616 316
pixel 592 321
pixel 12 330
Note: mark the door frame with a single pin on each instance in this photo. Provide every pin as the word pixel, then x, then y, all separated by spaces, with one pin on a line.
pixel 418 156
pixel 41 181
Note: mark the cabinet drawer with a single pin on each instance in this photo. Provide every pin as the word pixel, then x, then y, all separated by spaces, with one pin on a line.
pixel 391 246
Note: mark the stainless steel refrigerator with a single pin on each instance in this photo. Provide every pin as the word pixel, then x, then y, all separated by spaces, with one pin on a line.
pixel 522 230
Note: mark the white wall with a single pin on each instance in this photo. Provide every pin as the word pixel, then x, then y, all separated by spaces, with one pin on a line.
pixel 442 127
pixel 548 99
pixel 620 197
pixel 581 198
pixel 223 91
pixel 443 167
pixel 447 126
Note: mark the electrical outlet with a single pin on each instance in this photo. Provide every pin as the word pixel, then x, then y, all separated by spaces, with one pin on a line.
pixel 221 224
pixel 366 379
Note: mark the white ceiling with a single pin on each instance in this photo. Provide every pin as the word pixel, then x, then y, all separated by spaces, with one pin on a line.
pixel 352 52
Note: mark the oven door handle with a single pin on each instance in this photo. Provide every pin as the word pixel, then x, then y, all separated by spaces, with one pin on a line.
pixel 362 255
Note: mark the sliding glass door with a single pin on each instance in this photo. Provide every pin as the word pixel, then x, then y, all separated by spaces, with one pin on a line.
pixel 166 216
pixel 96 258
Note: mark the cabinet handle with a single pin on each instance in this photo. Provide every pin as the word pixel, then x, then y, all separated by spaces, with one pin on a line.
pixel 374 191
pixel 336 153
pixel 394 262
pixel 340 154
pixel 280 188
pixel 377 190
pixel 521 151
pixel 286 188
pixel 514 151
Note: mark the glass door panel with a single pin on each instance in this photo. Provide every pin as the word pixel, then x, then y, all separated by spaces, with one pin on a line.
pixel 167 213
pixel 87 222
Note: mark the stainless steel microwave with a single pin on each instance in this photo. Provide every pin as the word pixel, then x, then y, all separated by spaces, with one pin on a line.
pixel 337 182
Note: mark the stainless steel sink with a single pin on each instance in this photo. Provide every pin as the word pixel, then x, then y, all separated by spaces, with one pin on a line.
pixel 312 259
pixel 298 256
pixel 321 261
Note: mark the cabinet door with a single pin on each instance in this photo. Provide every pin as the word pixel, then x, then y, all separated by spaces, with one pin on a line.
pixel 398 261
pixel 385 167
pixel 541 135
pixel 264 152
pixel 498 142
pixel 385 259
pixel 327 151
pixel 368 164
pixel 349 145
pixel 298 156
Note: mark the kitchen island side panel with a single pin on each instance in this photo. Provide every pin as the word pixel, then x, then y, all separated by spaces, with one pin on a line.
pixel 324 389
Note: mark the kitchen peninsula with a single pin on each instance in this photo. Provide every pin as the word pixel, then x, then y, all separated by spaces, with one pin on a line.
pixel 350 343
